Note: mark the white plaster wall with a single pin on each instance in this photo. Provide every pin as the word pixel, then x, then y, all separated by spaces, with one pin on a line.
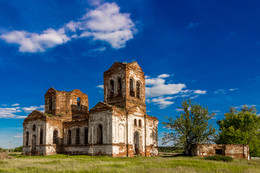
pixel 105 119
pixel 28 127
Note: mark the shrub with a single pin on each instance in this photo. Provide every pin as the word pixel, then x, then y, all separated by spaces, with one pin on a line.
pixel 170 149
pixel 220 158
pixel 18 149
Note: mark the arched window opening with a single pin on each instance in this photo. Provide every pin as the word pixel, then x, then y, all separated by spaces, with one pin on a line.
pixel 77 136
pixel 119 86
pixel 41 136
pixel 132 93
pixel 55 137
pixel 69 137
pixel 79 103
pixel 27 138
pixel 140 122
pixel 99 134
pixel 135 122
pixel 138 90
pixel 34 128
pixel 86 135
pixel 50 103
pixel 136 143
pixel 111 88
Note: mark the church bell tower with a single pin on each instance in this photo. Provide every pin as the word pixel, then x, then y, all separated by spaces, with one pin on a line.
pixel 124 86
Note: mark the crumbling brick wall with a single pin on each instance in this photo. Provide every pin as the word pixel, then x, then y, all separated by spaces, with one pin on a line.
pixel 232 150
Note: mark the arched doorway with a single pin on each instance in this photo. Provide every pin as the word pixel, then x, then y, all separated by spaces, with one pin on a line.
pixel 34 143
pixel 136 143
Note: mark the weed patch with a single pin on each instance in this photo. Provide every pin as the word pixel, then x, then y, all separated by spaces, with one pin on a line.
pixel 220 158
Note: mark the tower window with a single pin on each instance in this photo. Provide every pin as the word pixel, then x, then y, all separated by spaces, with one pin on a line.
pixel 79 103
pixel 119 86
pixel 69 137
pixel 132 93
pixel 27 138
pixel 99 134
pixel 140 122
pixel 86 135
pixel 50 103
pixel 34 128
pixel 135 122
pixel 138 89
pixel 77 136
pixel 111 88
pixel 41 136
pixel 55 137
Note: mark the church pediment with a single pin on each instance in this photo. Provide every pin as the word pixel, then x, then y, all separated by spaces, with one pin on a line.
pixel 101 106
pixel 36 115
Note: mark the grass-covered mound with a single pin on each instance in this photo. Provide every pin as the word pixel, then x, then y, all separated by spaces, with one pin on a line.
pixel 220 158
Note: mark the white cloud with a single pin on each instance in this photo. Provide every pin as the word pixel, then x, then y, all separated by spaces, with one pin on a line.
pixel 18 135
pixel 157 87
pixel 225 91
pixel 32 42
pixel 32 108
pixel 200 91
pixel 163 102
pixel 16 104
pixel 179 109
pixel 100 86
pixel 220 91
pixel 162 94
pixel 105 23
pixel 101 49
pixel 164 76
pixel 21 117
pixel 7 112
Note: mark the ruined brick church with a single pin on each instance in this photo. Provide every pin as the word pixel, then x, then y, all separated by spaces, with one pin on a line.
pixel 117 127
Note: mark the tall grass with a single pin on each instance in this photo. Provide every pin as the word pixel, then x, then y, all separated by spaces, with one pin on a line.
pixel 164 163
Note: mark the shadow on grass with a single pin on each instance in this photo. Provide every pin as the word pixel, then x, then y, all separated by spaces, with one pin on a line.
pixel 173 155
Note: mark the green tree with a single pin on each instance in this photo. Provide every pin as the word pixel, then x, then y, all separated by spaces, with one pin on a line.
pixel 241 127
pixel 192 126
pixel 18 149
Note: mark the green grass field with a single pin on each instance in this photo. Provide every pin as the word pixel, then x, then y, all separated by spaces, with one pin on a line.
pixel 162 163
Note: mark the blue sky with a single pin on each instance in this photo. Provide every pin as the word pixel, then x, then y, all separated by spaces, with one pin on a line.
pixel 207 50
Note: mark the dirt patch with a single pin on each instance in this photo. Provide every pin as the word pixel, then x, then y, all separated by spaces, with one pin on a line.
pixel 4 156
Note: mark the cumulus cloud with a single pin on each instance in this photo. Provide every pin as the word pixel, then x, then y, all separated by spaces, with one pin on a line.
pixel 15 104
pixel 157 87
pixel 162 102
pixel 33 42
pixel 8 112
pixel 104 23
pixel 162 93
pixel 13 112
pixel 32 108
